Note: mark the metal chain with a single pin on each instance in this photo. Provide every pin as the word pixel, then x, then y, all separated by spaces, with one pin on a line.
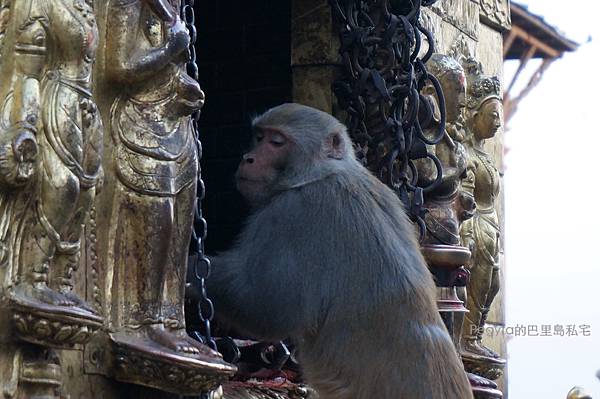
pixel 201 263
pixel 380 42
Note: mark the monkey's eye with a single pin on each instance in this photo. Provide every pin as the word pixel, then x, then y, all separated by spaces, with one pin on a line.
pixel 277 140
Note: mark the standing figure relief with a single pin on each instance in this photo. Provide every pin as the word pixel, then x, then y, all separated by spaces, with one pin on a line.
pixel 482 233
pixel 446 208
pixel 152 173
pixel 51 149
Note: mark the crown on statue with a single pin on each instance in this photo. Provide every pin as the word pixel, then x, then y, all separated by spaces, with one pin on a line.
pixel 482 89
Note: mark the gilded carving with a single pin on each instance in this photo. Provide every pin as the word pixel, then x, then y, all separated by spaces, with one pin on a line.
pixel 495 13
pixel 482 233
pixel 155 163
pixel 445 207
pixel 51 218
pixel 460 14
pixel 50 164
pixel 152 173
pixel 578 393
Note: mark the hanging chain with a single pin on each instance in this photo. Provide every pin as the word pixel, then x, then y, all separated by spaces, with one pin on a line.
pixel 380 42
pixel 201 264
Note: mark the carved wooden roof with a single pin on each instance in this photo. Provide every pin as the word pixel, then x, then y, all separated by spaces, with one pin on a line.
pixel 529 30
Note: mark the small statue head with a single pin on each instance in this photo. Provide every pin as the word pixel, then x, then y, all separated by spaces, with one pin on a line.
pixel 578 393
pixel 451 76
pixel 484 101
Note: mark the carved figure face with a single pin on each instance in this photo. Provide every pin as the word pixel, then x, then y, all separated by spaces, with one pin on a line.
pixel 488 119
pixel 455 93
pixel 261 166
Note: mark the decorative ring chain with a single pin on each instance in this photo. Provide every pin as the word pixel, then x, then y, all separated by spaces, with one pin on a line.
pixel 202 267
pixel 380 42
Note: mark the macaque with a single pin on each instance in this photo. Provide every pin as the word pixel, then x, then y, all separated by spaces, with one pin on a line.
pixel 330 260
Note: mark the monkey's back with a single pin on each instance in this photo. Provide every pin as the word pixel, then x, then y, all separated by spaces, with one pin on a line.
pixel 377 333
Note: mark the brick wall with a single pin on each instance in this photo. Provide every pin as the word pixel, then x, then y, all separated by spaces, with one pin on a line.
pixel 243 49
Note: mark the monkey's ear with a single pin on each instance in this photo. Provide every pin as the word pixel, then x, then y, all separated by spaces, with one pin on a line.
pixel 334 146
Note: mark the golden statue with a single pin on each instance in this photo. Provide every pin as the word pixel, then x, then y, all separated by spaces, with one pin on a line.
pixel 446 211
pixel 578 393
pixel 50 164
pixel 135 233
pixel 148 210
pixel 482 233
pixel 445 208
pixel 155 163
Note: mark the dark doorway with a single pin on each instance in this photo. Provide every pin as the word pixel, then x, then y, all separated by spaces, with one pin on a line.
pixel 243 51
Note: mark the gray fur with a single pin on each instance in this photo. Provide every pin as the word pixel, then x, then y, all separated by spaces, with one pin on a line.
pixel 332 262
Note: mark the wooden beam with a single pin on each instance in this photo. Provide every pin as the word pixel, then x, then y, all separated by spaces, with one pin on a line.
pixel 534 41
pixel 534 21
pixel 511 104
pixel 508 41
pixel 524 60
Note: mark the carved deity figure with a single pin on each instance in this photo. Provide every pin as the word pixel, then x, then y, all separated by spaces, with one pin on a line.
pixel 482 233
pixel 50 160
pixel 155 167
pixel 445 208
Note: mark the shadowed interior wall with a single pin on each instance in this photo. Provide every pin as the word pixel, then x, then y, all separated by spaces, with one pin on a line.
pixel 243 51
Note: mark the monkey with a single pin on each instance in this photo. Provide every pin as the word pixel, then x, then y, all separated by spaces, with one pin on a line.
pixel 329 259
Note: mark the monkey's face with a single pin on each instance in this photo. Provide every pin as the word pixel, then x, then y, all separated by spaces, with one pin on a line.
pixel 263 164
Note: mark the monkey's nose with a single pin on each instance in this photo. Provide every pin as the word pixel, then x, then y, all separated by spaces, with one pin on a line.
pixel 248 158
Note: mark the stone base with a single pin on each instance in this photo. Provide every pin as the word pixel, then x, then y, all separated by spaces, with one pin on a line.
pixel 487 367
pixel 141 361
pixel 267 390
pixel 484 388
pixel 52 326
pixel 486 393
pixel 448 300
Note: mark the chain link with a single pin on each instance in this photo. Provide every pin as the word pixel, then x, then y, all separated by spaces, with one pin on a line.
pixel 201 264
pixel 380 43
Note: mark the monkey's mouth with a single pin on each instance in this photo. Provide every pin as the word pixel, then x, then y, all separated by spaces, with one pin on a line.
pixel 245 184
pixel 246 181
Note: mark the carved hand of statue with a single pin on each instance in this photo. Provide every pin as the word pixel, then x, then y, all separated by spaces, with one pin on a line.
pixel 467 237
pixel 190 96
pixel 162 9
pixel 178 39
pixel 18 154
pixel 467 206
pixel 456 129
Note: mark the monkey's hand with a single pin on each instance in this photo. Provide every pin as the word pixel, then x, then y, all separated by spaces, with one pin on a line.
pixel 244 300
pixel 178 38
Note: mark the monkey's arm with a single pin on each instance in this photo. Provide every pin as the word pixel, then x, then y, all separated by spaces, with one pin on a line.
pixel 258 287
pixel 252 305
